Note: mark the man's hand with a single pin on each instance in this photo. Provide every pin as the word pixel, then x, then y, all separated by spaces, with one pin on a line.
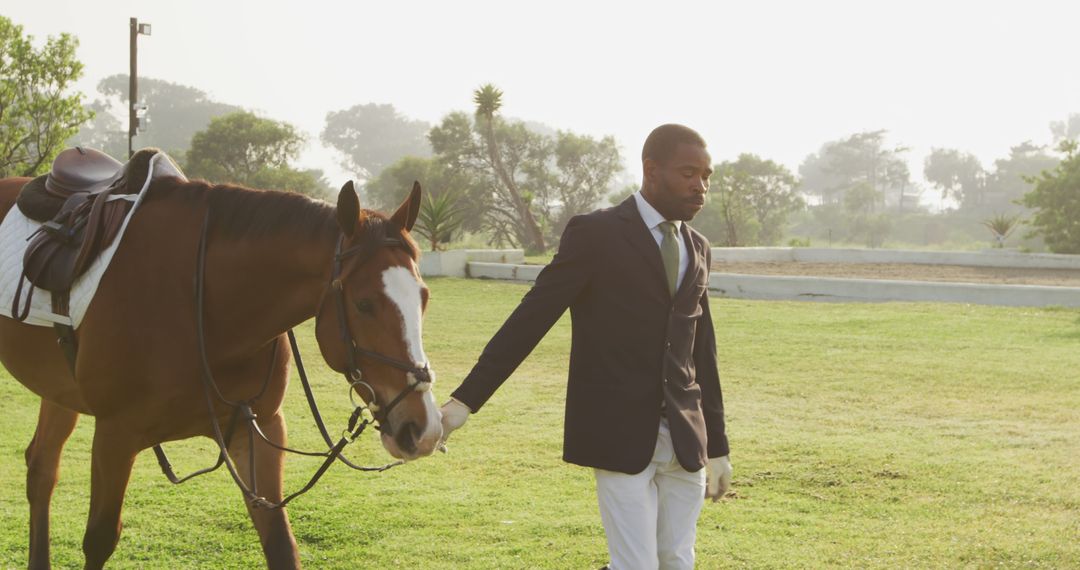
pixel 454 414
pixel 717 475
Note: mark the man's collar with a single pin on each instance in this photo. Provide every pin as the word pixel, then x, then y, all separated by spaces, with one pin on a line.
pixel 649 214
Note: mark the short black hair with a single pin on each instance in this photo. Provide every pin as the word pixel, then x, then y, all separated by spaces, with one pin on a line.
pixel 663 140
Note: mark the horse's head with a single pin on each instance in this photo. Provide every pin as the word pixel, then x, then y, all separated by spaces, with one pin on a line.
pixel 369 323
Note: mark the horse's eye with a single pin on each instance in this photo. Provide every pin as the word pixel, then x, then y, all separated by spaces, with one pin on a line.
pixel 365 306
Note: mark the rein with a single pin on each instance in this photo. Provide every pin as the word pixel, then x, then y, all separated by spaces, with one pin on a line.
pixel 242 410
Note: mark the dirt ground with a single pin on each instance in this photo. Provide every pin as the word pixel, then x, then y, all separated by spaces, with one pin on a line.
pixel 910 272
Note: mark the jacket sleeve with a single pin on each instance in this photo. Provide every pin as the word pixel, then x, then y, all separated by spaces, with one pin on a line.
pixel 556 287
pixel 708 376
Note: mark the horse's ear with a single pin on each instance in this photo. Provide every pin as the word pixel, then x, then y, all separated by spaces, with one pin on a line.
pixel 348 209
pixel 406 214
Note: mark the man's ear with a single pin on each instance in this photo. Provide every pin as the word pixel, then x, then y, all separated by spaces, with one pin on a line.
pixel 650 166
pixel 348 209
pixel 407 212
pixel 649 169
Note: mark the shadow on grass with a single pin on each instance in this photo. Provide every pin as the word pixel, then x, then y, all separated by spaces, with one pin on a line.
pixel 1069 335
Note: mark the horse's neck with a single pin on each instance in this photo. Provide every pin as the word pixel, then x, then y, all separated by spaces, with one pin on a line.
pixel 257 289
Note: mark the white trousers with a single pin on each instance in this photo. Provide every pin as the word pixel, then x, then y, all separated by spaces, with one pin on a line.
pixel 650 518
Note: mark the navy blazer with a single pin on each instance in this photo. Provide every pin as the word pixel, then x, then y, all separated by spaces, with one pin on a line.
pixel 633 345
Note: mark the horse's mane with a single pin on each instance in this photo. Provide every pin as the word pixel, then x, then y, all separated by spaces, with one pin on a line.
pixel 238 212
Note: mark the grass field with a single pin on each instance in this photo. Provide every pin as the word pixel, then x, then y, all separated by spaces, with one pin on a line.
pixel 863 436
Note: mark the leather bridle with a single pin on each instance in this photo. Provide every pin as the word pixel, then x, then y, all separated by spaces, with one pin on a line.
pixel 242 410
pixel 420 375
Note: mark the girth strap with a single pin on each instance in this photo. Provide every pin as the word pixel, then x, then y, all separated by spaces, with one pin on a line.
pixel 66 339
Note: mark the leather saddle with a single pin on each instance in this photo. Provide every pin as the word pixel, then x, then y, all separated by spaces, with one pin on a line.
pixel 80 218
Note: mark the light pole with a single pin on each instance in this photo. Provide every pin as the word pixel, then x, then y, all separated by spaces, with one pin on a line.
pixel 133 81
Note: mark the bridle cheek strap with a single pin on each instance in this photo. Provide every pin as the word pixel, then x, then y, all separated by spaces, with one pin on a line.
pixel 421 375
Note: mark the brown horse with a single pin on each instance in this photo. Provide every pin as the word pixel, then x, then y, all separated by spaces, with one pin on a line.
pixel 269 262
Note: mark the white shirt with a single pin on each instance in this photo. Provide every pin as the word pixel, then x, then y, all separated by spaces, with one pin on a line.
pixel 653 219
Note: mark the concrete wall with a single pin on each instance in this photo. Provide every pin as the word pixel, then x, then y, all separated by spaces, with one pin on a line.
pixel 443 263
pixel 841 290
pixel 454 263
pixel 876 290
pixel 496 255
pixel 503 271
pixel 828 255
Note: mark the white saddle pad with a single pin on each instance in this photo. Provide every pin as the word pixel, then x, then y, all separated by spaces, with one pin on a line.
pixel 16 228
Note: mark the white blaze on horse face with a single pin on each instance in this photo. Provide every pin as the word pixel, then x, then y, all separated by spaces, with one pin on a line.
pixel 403 288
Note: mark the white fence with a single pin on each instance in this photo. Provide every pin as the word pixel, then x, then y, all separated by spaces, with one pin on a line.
pixel 864 290
pixel 455 263
pixel 504 271
pixel 876 290
pixel 969 258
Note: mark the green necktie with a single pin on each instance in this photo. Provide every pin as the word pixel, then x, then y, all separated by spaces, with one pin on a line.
pixel 669 252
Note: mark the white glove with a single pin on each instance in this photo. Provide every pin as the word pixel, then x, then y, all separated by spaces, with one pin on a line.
pixel 717 474
pixel 454 415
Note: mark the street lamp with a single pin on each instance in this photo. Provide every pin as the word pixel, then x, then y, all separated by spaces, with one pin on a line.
pixel 135 111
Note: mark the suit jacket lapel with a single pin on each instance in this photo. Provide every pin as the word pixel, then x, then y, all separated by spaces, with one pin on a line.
pixel 694 263
pixel 637 233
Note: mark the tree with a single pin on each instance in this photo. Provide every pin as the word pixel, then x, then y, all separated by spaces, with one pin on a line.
pixel 386 191
pixel 1056 200
pixel 862 158
pixel 860 203
pixel 583 170
pixel 749 201
pixel 818 180
pixel 104 132
pixel 898 177
pixel 1068 129
pixel 521 182
pixel 1012 176
pixel 459 146
pixel 770 193
pixel 176 113
pixel 37 114
pixel 372 137
pixel 624 192
pixel 242 148
pixel 488 101
pixel 728 218
pixel 958 175
pixel 858 178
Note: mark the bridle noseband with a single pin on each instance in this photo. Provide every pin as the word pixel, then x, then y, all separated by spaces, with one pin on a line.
pixel 421 375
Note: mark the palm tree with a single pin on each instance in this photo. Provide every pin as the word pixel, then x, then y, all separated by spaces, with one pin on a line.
pixel 439 218
pixel 1001 226
pixel 488 99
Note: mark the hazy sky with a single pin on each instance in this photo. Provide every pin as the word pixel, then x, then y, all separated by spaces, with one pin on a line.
pixel 776 78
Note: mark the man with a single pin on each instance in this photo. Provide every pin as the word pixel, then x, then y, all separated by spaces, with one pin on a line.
pixel 643 401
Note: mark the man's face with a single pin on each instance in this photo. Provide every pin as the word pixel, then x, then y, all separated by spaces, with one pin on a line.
pixel 677 187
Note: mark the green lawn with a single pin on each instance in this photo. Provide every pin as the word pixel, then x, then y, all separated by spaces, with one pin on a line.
pixel 863 436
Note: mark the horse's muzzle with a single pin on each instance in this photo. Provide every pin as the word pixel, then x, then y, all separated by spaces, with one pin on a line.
pixel 410 437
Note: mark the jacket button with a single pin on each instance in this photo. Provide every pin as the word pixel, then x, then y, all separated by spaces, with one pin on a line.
pixel 668 346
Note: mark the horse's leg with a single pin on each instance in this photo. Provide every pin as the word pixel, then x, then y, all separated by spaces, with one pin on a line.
pixel 55 424
pixel 111 461
pixel 275 533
